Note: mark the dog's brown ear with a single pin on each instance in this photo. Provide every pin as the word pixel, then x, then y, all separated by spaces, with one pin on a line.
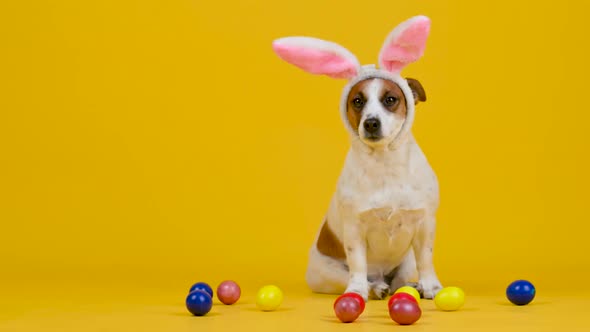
pixel 417 90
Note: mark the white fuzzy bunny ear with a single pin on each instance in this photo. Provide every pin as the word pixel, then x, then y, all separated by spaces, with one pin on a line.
pixel 317 56
pixel 405 44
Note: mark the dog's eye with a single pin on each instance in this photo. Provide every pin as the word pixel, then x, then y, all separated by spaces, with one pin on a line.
pixel 358 102
pixel 390 101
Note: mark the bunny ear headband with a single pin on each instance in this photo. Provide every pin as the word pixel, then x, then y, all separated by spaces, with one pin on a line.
pixel 404 45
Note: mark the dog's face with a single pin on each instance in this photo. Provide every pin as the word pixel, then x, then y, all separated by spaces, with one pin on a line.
pixel 376 109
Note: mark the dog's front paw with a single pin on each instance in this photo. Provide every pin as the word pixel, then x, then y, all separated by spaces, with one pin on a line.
pixel 379 289
pixel 359 287
pixel 429 287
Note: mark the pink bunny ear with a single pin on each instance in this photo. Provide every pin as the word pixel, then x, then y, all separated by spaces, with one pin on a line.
pixel 317 56
pixel 405 44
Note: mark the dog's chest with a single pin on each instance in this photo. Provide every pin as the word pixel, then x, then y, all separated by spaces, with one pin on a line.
pixel 382 188
pixel 389 235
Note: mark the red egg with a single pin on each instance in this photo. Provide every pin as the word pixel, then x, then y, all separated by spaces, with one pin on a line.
pixel 354 296
pixel 405 312
pixel 347 309
pixel 228 292
pixel 398 296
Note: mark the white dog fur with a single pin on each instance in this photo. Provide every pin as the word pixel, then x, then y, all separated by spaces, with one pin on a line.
pixel 381 218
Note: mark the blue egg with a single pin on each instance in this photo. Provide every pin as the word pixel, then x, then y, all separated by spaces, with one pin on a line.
pixel 202 286
pixel 199 303
pixel 520 292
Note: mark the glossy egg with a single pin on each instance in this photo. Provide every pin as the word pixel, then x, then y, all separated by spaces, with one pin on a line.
pixel 450 299
pixel 269 298
pixel 520 292
pixel 347 309
pixel 405 312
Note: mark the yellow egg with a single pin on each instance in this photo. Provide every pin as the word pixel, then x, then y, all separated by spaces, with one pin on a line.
pixel 409 290
pixel 449 299
pixel 269 298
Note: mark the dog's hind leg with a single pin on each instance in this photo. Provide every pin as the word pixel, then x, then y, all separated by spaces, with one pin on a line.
pixel 326 275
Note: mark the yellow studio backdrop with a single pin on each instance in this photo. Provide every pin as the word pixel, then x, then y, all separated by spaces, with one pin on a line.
pixel 163 142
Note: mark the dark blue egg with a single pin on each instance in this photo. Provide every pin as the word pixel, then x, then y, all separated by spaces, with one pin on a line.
pixel 202 286
pixel 199 303
pixel 520 292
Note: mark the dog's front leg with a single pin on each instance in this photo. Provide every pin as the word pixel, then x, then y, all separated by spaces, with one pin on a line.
pixel 356 258
pixel 428 283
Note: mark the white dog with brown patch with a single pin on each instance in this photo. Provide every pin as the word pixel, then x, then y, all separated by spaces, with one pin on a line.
pixel 379 229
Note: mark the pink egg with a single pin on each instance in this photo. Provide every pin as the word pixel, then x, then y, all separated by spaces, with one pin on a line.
pixel 405 312
pixel 228 292
pixel 347 309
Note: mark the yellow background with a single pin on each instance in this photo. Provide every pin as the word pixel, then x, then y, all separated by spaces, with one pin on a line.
pixel 152 144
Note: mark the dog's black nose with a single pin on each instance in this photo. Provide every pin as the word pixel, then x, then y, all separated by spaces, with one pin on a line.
pixel 372 125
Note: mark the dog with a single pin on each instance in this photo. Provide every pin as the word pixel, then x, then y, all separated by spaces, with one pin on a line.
pixel 378 233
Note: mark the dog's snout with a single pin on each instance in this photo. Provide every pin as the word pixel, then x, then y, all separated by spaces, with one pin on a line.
pixel 372 125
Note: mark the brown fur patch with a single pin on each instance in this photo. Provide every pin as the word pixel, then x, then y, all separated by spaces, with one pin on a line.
pixel 417 90
pixel 354 115
pixel 389 88
pixel 328 244
pixel 392 89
